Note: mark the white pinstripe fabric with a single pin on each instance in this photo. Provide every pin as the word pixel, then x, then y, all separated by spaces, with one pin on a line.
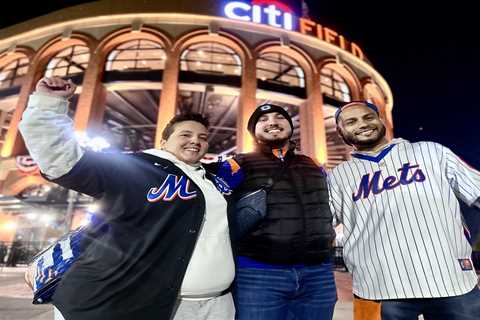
pixel 404 237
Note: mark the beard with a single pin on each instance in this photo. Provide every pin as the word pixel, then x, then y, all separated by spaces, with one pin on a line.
pixel 352 140
pixel 273 143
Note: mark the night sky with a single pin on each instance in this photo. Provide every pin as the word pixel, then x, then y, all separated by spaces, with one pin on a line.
pixel 428 53
pixel 430 57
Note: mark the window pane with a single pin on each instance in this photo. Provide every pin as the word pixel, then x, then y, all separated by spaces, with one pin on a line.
pixel 60 72
pixel 137 54
pixel 279 68
pixel 65 52
pixel 22 70
pixel 334 85
pixel 211 58
pixel 74 70
pixel 72 60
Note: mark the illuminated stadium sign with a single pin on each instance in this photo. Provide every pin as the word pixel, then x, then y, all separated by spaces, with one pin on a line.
pixel 272 13
pixel 277 14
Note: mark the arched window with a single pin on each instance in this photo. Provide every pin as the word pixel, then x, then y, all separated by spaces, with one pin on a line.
pixel 211 58
pixel 337 150
pixel 278 68
pixel 210 84
pixel 13 73
pixel 131 110
pixel 137 54
pixel 70 61
pixel 374 94
pixel 11 78
pixel 334 85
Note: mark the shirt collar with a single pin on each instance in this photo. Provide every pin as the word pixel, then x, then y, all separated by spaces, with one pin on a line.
pixel 373 153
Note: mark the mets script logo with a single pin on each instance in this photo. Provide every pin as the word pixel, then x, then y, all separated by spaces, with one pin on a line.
pixel 408 174
pixel 221 185
pixel 172 187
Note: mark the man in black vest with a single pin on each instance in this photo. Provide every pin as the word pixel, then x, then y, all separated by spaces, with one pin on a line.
pixel 283 264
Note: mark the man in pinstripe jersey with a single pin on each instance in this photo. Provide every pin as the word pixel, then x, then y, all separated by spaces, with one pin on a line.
pixel 404 232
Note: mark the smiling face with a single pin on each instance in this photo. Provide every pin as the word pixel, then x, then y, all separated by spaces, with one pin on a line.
pixel 361 127
pixel 188 141
pixel 273 129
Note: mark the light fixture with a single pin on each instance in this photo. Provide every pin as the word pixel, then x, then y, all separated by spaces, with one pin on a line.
pixel 46 218
pixel 93 207
pixel 87 219
pixel 10 225
pixel 95 143
pixel 32 216
pixel 98 144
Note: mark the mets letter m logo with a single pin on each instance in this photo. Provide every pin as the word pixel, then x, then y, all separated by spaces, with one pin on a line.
pixel 173 186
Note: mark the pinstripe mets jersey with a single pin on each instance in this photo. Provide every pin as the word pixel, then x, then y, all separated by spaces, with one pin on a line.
pixel 404 235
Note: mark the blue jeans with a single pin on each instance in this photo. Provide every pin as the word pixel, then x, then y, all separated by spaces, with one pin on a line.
pixel 464 307
pixel 300 293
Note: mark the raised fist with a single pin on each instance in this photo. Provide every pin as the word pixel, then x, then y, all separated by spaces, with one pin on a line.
pixel 56 86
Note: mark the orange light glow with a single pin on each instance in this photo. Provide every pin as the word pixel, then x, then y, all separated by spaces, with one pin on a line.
pixel 8 227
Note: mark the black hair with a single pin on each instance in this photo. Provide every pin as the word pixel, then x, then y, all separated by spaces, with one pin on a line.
pixel 169 128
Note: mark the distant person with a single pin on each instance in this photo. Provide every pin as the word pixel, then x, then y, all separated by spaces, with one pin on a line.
pixel 404 234
pixel 14 254
pixel 3 252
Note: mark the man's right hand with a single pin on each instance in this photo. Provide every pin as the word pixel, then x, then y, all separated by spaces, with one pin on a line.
pixel 56 86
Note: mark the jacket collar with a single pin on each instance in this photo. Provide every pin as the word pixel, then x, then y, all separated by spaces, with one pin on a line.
pixel 279 153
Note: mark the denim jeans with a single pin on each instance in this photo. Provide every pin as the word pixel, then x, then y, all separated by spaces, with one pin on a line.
pixel 286 293
pixel 464 307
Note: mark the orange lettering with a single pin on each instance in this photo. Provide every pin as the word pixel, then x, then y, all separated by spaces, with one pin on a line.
pixel 342 42
pixel 356 51
pixel 330 35
pixel 306 25
pixel 319 31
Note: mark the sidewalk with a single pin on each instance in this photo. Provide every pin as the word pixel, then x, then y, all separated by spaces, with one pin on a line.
pixel 16 298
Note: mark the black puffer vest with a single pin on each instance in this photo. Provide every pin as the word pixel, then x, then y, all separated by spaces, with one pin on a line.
pixel 298 227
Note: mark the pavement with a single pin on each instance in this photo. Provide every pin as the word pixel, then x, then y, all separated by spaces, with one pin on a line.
pixel 16 297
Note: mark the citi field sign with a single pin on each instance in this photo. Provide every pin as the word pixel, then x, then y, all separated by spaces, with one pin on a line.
pixel 277 14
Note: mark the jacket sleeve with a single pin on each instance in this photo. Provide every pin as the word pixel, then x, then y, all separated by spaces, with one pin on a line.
pixel 49 136
pixel 336 200
pixel 231 172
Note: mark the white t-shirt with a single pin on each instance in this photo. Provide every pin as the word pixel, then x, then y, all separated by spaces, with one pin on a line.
pixel 211 269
